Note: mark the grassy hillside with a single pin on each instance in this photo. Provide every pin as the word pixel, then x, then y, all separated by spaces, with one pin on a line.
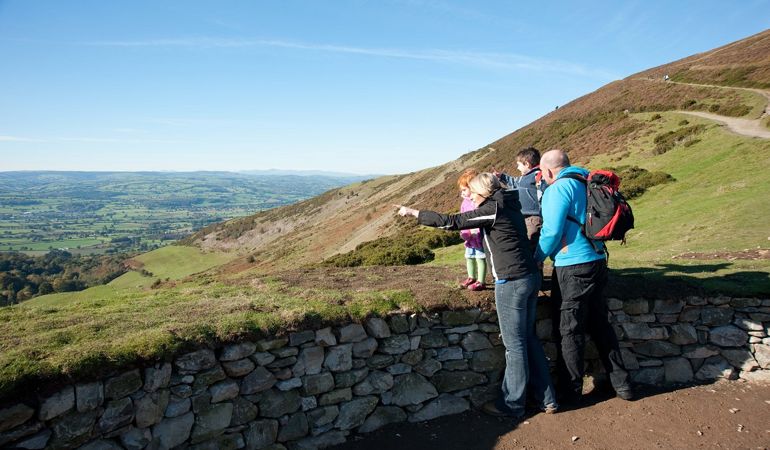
pixel 704 232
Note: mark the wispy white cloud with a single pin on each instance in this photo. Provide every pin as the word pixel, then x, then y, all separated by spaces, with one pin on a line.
pixel 100 140
pixel 6 138
pixel 468 58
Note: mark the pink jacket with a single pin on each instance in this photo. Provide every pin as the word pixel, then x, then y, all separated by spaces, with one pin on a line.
pixel 472 237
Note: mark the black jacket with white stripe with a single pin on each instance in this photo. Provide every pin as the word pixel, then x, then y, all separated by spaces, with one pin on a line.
pixel 505 234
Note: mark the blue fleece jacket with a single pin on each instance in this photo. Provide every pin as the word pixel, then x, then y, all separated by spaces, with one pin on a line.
pixel 561 238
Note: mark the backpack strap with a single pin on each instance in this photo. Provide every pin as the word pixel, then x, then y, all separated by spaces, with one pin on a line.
pixel 598 250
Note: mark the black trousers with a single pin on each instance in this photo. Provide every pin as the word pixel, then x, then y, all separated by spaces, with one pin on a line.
pixel 580 308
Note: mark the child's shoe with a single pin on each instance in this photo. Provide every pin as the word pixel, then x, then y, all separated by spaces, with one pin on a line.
pixel 477 286
pixel 467 282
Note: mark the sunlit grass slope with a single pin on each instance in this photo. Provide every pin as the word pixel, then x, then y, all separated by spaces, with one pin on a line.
pixel 172 262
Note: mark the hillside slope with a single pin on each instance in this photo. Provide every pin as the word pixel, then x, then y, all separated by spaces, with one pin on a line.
pixel 604 124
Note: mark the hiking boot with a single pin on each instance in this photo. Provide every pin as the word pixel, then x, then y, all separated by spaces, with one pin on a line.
pixel 490 408
pixel 467 282
pixel 477 286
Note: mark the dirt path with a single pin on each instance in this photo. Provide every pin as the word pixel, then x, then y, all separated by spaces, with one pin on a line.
pixel 732 414
pixel 745 127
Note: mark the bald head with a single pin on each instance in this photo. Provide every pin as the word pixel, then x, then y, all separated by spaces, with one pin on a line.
pixel 555 159
pixel 551 163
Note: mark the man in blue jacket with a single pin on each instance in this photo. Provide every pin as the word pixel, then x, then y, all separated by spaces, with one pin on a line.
pixel 580 267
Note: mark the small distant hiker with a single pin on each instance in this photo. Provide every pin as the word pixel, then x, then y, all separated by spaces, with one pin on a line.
pixel 580 267
pixel 475 259
pixel 530 186
pixel 517 281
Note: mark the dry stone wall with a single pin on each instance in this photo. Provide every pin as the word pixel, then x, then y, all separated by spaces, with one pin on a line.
pixel 313 388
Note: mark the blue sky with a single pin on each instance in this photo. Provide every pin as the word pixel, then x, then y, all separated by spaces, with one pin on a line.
pixel 363 86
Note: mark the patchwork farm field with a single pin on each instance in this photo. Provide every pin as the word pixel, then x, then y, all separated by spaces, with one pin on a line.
pixel 107 212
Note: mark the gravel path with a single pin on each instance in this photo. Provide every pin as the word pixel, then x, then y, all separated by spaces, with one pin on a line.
pixel 727 414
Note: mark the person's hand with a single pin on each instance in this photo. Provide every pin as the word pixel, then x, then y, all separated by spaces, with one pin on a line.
pixel 406 211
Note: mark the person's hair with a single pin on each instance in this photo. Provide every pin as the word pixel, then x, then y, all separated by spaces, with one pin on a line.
pixel 529 155
pixel 484 184
pixel 466 176
pixel 555 159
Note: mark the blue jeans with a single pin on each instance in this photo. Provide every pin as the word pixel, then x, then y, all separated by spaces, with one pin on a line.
pixel 525 362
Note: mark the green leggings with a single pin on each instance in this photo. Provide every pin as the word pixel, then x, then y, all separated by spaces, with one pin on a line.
pixel 476 267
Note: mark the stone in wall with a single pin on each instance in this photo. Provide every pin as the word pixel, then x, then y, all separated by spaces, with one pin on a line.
pixel 274 403
pixel 14 416
pixel 238 368
pixel 72 429
pixel 57 404
pixel 383 415
pixel 267 345
pixel 488 360
pixel 261 434
pixel 740 358
pixel 683 334
pixel 713 317
pixel 150 408
pixel 636 306
pixel 377 328
pixel 301 337
pixel 212 422
pixel 649 375
pixel 456 318
pixel 399 324
pixel 395 345
pixel 715 367
pixel 136 438
pixel 354 412
pixel 195 361
pixel 157 377
pixel 335 397
pixel 243 412
pixel 376 382
pixel 238 351
pixel 762 354
pixel 351 333
pixel 444 405
pixel 339 358
pixel 728 336
pixel 365 348
pixel 642 331
pixel 412 389
pixel 117 413
pixel 657 349
pixel 456 381
pixel 677 370
pixel 259 380
pixel 428 367
pixel 317 384
pixel 293 427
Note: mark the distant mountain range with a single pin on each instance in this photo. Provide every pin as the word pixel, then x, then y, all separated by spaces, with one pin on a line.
pixel 310 173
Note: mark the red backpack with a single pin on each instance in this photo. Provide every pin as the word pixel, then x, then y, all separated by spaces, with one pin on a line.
pixel 608 215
